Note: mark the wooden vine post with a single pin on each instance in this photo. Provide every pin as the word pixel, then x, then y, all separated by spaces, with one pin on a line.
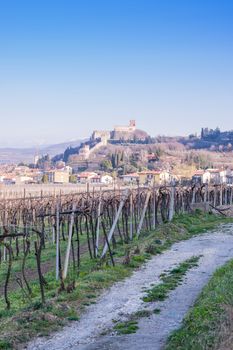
pixel 154 208
pixel 124 197
pixel 67 257
pixel 221 195
pixel 98 223
pixel 57 238
pixel 143 213
pixel 131 215
pixel 215 196
pixel 171 204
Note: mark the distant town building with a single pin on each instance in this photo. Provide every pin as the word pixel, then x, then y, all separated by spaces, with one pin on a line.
pixel 86 177
pixel 58 176
pixel 148 177
pixel 154 177
pixel 130 178
pixel 213 176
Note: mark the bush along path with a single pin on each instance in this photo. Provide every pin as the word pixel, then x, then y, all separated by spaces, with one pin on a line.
pixel 143 310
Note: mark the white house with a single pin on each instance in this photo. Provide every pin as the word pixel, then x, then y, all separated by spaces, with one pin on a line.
pixel 214 176
pixel 226 176
pixel 106 179
pixel 23 179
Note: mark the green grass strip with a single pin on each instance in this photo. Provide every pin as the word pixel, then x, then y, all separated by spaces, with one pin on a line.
pixel 170 281
pixel 209 324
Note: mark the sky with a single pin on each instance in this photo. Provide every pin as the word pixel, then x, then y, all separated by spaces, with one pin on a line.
pixel 68 67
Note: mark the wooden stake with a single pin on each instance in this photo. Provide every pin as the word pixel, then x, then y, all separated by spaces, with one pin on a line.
pixel 143 213
pixel 98 224
pixel 57 239
pixel 171 204
pixel 131 215
pixel 66 263
pixel 125 195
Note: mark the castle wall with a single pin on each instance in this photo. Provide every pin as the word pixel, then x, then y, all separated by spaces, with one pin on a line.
pixel 101 134
pixel 119 128
pixel 130 128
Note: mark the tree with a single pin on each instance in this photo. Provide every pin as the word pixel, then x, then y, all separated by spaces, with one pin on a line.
pixel 106 165
pixel 73 179
pixel 45 179
pixel 44 162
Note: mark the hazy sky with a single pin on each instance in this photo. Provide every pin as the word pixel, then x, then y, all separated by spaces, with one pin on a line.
pixel 70 66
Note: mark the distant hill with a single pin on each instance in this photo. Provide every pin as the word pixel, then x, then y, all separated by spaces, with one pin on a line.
pixel 212 139
pixel 17 155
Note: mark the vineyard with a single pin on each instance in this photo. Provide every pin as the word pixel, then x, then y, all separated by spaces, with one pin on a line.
pixel 52 234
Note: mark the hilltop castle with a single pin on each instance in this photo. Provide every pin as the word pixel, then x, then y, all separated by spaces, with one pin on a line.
pixel 119 132
pixel 101 138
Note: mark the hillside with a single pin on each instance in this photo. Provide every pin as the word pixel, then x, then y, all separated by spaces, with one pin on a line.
pixel 17 155
pixel 212 139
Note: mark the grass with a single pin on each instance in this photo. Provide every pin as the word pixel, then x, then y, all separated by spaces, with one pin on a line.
pixel 27 319
pixel 127 327
pixel 170 281
pixel 209 324
pixel 156 311
pixel 131 325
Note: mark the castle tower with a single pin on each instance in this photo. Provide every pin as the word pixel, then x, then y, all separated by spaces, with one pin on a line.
pixel 132 125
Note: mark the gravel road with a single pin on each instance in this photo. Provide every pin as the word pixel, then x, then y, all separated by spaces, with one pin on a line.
pixel 124 298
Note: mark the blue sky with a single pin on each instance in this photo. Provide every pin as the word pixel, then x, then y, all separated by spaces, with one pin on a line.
pixel 68 67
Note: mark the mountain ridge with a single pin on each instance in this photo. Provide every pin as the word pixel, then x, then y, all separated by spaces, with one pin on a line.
pixel 17 154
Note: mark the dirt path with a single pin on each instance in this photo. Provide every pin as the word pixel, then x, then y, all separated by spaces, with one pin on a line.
pixel 124 298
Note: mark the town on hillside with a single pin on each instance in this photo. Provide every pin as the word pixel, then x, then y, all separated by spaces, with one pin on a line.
pixel 127 155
